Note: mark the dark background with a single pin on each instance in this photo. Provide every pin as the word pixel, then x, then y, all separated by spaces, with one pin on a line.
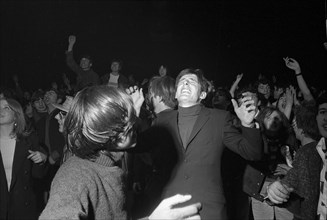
pixel 222 37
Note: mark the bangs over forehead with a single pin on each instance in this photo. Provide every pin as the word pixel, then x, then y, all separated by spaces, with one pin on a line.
pixel 98 117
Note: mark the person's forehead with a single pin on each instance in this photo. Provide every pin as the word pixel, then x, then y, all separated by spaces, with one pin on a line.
pixel 263 85
pixel 51 92
pixel 3 102
pixel 322 106
pixel 85 59
pixel 189 76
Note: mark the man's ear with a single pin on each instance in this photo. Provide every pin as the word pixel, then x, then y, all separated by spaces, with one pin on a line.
pixel 203 95
pixel 59 100
pixel 91 64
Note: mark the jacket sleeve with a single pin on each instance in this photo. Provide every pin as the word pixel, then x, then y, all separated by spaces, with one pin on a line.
pixel 38 170
pixel 247 142
pixel 72 64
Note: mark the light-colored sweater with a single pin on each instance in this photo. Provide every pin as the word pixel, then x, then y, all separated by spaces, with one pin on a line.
pixel 83 189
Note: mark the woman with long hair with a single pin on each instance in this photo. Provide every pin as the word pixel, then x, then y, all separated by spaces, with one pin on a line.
pixel 21 160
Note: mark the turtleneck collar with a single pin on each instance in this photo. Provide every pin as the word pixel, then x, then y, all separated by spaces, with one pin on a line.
pixel 189 111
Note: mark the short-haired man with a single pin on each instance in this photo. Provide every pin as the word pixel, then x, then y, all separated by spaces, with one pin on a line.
pixel 200 136
pixel 85 74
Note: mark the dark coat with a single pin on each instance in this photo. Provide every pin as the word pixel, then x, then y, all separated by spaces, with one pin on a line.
pixel 20 201
pixel 198 171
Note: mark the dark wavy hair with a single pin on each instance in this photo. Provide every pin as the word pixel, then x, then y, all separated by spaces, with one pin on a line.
pixel 99 117
pixel 201 79
pixel 283 129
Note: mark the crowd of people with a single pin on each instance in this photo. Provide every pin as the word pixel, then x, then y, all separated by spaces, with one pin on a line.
pixel 111 147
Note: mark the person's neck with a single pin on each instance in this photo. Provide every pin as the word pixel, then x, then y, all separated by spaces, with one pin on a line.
pixel 187 105
pixel 161 107
pixel 5 130
pixel 50 108
pixel 87 69
pixel 306 140
pixel 115 73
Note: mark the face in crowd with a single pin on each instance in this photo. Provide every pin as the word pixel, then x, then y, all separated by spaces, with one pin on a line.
pixel 115 66
pixel 188 90
pixel 264 89
pixel 50 97
pixel 39 105
pixel 85 63
pixel 162 71
pixel 322 119
pixel 7 115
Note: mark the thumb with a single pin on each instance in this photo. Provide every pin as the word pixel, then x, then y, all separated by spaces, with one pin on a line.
pixel 234 103
pixel 174 200
pixel 30 151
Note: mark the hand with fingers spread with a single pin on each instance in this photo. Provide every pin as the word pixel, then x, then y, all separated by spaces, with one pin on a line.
pixel 246 111
pixel 37 156
pixel 166 210
pixel 137 96
pixel 278 193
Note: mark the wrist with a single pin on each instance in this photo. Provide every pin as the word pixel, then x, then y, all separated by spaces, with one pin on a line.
pixel 297 71
pixel 250 125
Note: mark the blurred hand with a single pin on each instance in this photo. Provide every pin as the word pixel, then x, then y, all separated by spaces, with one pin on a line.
pixel 37 156
pixel 137 96
pixel 165 209
pixel 246 111
pixel 72 39
pixel 278 193
pixel 137 188
pixel 292 64
pixel 239 77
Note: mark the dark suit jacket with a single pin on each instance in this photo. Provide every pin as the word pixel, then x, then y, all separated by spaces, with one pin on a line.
pixel 20 201
pixel 198 170
pixel 56 139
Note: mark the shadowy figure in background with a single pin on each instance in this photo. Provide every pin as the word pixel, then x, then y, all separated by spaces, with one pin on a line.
pixel 115 78
pixel 84 72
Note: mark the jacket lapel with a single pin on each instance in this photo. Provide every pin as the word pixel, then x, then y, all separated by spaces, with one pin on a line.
pixel 200 122
pixel 19 158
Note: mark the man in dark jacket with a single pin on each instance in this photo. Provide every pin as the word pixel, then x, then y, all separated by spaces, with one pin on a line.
pixel 85 74
pixel 200 136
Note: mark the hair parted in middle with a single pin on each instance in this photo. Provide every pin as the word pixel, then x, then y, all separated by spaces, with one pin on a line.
pixel 99 117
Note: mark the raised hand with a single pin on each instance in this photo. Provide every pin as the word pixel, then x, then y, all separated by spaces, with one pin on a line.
pixel 166 210
pixel 137 96
pixel 239 77
pixel 292 64
pixel 72 39
pixel 246 111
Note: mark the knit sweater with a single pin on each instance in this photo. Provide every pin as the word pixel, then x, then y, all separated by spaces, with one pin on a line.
pixel 304 178
pixel 83 189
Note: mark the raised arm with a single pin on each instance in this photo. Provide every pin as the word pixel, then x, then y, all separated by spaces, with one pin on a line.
pixel 294 65
pixel 70 56
pixel 235 84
